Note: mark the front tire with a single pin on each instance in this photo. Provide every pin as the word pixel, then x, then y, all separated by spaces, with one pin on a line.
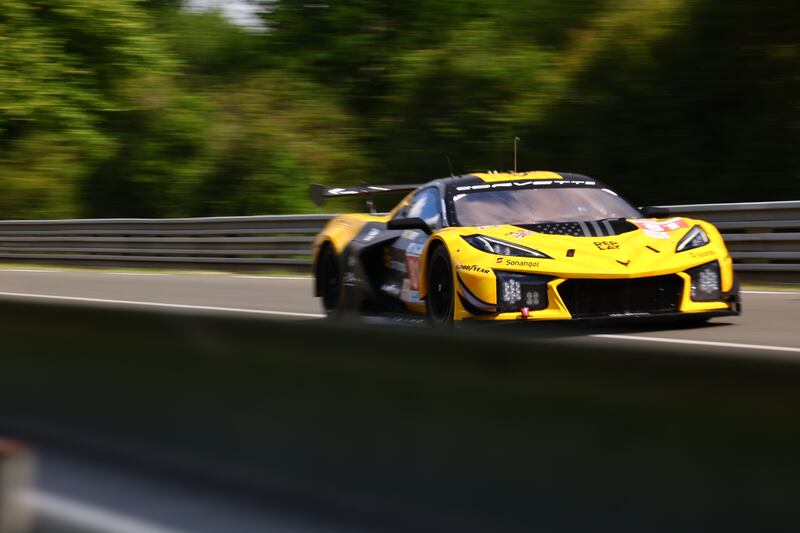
pixel 441 290
pixel 329 281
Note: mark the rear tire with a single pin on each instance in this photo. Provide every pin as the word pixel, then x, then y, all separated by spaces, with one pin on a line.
pixel 329 281
pixel 441 290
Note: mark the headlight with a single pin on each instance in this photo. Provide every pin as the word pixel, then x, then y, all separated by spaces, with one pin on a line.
pixel 694 239
pixel 705 282
pixel 515 291
pixel 498 247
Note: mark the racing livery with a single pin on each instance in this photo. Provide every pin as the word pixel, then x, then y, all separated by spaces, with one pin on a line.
pixel 520 246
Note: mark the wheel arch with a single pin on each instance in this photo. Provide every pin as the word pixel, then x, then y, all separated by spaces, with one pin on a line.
pixel 319 247
pixel 337 234
pixel 434 243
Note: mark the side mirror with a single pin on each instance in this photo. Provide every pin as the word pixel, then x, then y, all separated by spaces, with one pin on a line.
pixel 409 223
pixel 654 212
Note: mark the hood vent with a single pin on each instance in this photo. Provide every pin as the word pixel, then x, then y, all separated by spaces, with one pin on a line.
pixel 594 228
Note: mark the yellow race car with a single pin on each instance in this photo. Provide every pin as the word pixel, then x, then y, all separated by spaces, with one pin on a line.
pixel 520 246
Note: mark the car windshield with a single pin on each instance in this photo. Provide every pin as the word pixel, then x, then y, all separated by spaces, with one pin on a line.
pixel 534 206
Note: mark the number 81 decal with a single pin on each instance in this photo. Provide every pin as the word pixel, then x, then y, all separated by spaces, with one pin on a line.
pixel 660 230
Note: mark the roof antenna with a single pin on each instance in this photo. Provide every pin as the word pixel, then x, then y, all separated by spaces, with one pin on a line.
pixel 450 164
pixel 516 141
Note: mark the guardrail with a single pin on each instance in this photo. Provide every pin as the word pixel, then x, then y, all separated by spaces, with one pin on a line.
pixel 764 237
pixel 227 243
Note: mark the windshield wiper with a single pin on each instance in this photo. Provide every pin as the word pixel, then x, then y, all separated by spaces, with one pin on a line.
pixel 612 219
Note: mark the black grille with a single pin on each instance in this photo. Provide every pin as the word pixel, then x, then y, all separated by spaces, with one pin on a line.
pixel 597 228
pixel 572 229
pixel 609 297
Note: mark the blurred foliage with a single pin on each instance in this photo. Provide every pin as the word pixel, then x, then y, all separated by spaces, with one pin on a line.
pixel 142 108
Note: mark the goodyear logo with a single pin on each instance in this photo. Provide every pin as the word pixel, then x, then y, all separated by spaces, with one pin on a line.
pixel 473 268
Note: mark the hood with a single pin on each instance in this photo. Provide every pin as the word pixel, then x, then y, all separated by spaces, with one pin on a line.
pixel 618 248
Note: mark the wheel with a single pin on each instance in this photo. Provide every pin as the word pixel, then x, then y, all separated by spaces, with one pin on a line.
pixel 441 293
pixel 329 281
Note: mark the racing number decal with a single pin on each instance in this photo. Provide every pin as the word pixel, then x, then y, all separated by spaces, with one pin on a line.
pixel 660 230
pixel 413 253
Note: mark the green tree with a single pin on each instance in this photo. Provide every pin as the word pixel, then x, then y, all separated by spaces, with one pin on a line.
pixel 66 66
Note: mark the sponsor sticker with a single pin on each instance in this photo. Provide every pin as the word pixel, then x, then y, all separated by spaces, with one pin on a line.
pixel 473 268
pixel 702 254
pixel 607 245
pixel 415 249
pixel 520 234
pixel 409 294
pixel 371 234
pixel 412 265
pixel 521 263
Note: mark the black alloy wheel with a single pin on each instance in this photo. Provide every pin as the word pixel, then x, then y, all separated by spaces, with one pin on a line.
pixel 329 281
pixel 441 293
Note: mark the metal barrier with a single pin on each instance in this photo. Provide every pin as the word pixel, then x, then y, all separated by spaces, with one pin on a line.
pixel 227 243
pixel 763 237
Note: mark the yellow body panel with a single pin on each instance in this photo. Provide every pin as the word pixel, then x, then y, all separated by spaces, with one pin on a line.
pixel 341 230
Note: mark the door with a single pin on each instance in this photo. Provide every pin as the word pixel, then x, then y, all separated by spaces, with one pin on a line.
pixel 404 254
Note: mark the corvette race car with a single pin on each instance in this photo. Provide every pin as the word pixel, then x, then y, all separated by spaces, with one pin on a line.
pixel 520 246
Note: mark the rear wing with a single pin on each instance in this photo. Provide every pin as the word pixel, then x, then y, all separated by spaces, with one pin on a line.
pixel 320 192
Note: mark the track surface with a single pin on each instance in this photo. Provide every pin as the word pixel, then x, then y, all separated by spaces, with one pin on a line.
pixel 769 323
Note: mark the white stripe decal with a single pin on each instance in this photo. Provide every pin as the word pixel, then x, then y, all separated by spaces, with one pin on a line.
pixel 700 343
pixel 780 293
pixel 30 270
pixel 152 274
pixel 136 274
pixel 161 304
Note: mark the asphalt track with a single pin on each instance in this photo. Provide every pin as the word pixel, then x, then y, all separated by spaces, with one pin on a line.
pixel 769 323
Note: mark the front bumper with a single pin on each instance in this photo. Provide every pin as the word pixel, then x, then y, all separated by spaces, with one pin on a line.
pixel 665 297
